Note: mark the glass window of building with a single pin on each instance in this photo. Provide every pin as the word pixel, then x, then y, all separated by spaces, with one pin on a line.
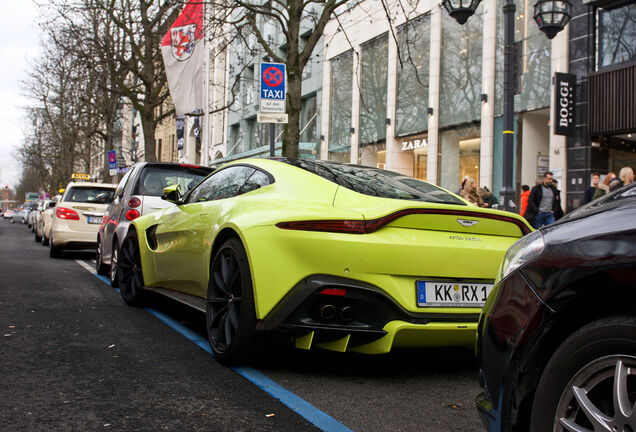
pixel 309 141
pixel 414 42
pixel 263 133
pixel 532 91
pixel 340 107
pixel 251 134
pixel 617 35
pixel 461 70
pixel 235 139
pixel 459 156
pixel 374 69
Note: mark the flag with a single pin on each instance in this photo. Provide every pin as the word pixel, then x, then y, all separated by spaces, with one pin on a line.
pixel 182 51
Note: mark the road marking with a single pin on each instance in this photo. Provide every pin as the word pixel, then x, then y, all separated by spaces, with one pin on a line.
pixel 294 402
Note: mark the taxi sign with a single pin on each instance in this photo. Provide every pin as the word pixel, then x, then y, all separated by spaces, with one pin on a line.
pixel 272 95
pixel 80 176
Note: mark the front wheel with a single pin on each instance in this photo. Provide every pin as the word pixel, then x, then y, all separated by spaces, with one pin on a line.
pixel 230 314
pixel 54 251
pixel 589 383
pixel 130 274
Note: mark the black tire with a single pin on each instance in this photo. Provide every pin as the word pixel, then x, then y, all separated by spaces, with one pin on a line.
pixel 102 269
pixel 129 271
pixel 45 240
pixel 585 366
pixel 54 251
pixel 38 239
pixel 112 271
pixel 230 314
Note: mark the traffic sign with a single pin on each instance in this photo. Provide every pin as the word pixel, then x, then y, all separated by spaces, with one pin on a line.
pixel 272 87
pixel 112 159
pixel 271 118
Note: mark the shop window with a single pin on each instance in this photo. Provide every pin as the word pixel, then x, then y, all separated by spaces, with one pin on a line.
pixel 459 156
pixel 413 76
pixel 617 35
pixel 340 107
pixel 373 90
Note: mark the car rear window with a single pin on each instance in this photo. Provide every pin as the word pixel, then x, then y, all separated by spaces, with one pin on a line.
pixel 377 182
pixel 85 194
pixel 154 178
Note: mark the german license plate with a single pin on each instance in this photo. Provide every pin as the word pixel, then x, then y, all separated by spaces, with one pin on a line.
pixel 95 219
pixel 452 293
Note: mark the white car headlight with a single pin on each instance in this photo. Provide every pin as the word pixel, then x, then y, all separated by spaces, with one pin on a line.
pixel 523 251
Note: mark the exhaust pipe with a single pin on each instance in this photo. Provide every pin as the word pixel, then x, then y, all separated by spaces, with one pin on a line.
pixel 327 312
pixel 347 313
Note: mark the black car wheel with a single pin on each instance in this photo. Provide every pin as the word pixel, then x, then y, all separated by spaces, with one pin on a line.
pixel 114 279
pixel 38 239
pixel 230 311
pixel 45 240
pixel 130 274
pixel 54 251
pixel 589 383
pixel 101 268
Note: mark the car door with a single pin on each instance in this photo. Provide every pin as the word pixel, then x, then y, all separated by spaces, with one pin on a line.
pixel 113 215
pixel 184 236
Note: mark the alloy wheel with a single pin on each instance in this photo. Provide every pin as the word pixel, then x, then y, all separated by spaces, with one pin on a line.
pixel 131 276
pixel 224 300
pixel 600 397
pixel 113 267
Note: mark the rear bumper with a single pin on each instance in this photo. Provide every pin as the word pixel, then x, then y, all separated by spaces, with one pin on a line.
pixel 63 237
pixel 364 319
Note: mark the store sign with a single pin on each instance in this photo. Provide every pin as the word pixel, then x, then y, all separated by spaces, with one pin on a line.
pixel 564 104
pixel 414 143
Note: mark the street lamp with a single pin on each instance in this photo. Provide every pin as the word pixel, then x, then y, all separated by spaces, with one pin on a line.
pixel 551 16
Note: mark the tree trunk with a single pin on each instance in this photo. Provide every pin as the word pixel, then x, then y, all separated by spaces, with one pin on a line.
pixel 148 126
pixel 291 136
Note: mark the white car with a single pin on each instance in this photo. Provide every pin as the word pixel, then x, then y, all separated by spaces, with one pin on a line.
pixel 78 215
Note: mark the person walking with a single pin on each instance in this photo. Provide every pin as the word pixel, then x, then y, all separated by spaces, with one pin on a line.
pixel 603 187
pixel 589 192
pixel 625 177
pixel 542 202
pixel 469 193
pixel 558 210
pixel 523 198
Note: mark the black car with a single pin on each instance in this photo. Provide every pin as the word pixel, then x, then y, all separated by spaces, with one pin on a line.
pixel 557 336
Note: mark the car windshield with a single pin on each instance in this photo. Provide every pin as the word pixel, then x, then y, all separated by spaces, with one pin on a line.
pixel 86 194
pixel 377 182
pixel 154 178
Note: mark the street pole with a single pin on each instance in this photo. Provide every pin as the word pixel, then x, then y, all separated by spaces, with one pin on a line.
pixel 507 194
pixel 272 132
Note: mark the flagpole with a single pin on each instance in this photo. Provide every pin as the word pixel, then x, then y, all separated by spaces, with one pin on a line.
pixel 206 88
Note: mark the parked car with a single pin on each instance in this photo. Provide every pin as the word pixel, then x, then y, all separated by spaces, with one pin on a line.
pixel 8 214
pixel 20 216
pixel 32 207
pixel 78 215
pixel 139 193
pixel 341 257
pixel 557 336
pixel 46 218
pixel 37 218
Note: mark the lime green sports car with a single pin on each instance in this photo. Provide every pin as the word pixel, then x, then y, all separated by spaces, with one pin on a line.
pixel 336 256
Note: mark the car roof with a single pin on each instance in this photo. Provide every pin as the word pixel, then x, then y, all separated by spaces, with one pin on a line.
pixel 90 184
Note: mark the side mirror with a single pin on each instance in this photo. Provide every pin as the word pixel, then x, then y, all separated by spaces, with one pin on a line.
pixel 104 198
pixel 52 204
pixel 172 194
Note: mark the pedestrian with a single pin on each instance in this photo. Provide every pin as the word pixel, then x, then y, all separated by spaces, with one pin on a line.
pixel 542 202
pixel 523 198
pixel 625 177
pixel 558 210
pixel 469 193
pixel 589 192
pixel 603 187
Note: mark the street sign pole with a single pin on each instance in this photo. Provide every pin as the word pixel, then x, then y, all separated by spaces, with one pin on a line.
pixel 272 138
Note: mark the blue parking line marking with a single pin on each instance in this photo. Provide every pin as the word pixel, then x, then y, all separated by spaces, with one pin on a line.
pixel 297 404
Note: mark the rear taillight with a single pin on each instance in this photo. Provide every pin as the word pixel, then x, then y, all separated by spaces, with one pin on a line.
pixel 134 202
pixel 334 292
pixel 190 166
pixel 66 213
pixel 132 214
pixel 341 226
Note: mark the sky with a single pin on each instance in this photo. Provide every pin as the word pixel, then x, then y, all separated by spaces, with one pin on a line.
pixel 19 44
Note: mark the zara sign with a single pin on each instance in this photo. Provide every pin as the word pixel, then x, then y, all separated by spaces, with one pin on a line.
pixel 414 143
pixel 564 104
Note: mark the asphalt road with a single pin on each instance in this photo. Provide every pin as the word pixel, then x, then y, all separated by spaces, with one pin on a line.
pixel 74 357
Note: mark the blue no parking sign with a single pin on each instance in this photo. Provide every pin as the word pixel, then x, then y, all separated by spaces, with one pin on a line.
pixel 112 159
pixel 272 87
